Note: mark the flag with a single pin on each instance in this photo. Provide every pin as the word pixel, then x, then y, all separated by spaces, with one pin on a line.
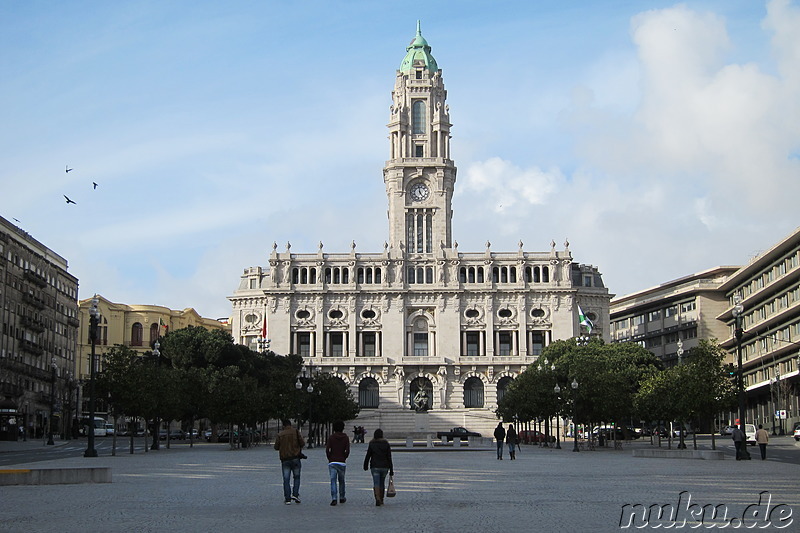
pixel 264 329
pixel 161 323
pixel 583 320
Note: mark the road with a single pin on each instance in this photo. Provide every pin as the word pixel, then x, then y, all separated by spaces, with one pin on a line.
pixel 36 451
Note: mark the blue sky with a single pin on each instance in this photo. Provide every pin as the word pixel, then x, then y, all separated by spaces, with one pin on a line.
pixel 659 138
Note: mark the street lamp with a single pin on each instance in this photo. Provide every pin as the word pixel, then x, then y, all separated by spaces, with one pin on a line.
pixel 681 441
pixel 557 390
pixel 156 445
pixel 574 414
pixel 310 389
pixel 94 320
pixel 738 309
pixel 52 401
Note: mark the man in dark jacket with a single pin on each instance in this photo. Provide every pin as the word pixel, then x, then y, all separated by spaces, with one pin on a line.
pixel 289 444
pixel 337 450
pixel 499 437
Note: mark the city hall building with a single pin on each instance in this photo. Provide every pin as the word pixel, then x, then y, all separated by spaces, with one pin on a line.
pixel 419 318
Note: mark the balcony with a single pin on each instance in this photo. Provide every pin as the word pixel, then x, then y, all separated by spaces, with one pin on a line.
pixel 31 347
pixel 33 301
pixel 74 322
pixel 35 278
pixel 32 324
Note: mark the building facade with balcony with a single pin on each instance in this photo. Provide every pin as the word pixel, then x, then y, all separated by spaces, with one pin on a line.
pixel 700 306
pixel 768 289
pixel 38 342
pixel 681 311
pixel 420 314
pixel 134 326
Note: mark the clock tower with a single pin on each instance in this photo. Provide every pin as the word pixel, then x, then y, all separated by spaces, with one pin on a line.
pixel 419 174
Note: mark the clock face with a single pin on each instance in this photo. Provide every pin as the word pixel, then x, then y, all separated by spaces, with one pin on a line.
pixel 419 192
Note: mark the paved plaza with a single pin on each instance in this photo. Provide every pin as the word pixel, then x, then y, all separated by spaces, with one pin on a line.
pixel 211 488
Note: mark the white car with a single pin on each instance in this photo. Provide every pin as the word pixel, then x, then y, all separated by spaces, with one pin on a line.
pixel 797 433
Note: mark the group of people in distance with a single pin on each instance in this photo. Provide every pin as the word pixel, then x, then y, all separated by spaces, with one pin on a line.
pixel 378 460
pixel 509 437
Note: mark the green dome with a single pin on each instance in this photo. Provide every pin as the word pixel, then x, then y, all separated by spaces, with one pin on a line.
pixel 419 49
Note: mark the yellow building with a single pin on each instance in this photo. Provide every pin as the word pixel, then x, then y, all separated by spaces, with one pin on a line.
pixel 134 326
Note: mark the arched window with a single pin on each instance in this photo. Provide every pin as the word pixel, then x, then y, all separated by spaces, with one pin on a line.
pixel 136 334
pixel 153 332
pixel 462 275
pixel 368 393
pixel 545 274
pixel 378 275
pixel 418 117
pixel 480 274
pixel 473 392
pixel 502 386
pixel 295 279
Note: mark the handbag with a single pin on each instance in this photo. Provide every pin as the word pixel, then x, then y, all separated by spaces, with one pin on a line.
pixel 390 491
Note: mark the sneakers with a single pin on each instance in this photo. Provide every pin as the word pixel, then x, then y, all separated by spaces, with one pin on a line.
pixel 296 499
pixel 288 502
pixel 333 502
pixel 342 500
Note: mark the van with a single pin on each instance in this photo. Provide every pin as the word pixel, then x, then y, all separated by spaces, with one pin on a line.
pixel 750 434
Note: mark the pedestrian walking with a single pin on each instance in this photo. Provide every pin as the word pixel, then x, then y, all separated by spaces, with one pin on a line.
pixel 289 444
pixel 337 450
pixel 738 441
pixel 762 438
pixel 511 441
pixel 499 437
pixel 379 460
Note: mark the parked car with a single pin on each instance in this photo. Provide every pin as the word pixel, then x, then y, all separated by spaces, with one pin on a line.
pixel 460 432
pixel 797 431
pixel 174 434
pixel 727 430
pixel 528 436
pixel 109 429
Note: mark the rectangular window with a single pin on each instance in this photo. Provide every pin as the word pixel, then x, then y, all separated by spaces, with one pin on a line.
pixel 537 343
pixel 654 315
pixel 420 344
pixel 336 339
pixel 504 343
pixel 638 320
pixel 419 150
pixel 369 342
pixel 473 343
pixel 304 344
pixel 671 311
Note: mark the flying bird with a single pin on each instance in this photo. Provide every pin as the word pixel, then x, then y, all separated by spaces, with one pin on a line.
pixel 67 169
pixel 69 201
pixel 94 185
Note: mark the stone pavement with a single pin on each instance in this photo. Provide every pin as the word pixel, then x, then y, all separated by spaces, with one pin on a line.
pixel 212 488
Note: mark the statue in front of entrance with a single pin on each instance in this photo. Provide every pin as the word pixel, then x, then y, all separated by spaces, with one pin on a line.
pixel 421 401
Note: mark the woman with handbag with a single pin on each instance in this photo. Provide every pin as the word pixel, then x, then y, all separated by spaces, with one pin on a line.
pixel 379 460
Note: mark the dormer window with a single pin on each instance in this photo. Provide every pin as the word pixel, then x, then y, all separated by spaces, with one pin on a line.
pixel 419 73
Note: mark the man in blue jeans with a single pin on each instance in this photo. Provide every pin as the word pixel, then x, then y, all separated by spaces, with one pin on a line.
pixel 499 437
pixel 337 450
pixel 289 444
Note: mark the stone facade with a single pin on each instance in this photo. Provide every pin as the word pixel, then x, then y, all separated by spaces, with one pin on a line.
pixel 134 326
pixel 419 315
pixel 38 304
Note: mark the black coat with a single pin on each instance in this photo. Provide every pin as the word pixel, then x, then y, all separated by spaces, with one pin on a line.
pixel 379 455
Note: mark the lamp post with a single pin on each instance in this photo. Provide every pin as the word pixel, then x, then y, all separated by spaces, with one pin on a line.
pixel 94 320
pixel 681 441
pixel 310 389
pixel 557 390
pixel 574 415
pixel 156 445
pixel 52 401
pixel 738 309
